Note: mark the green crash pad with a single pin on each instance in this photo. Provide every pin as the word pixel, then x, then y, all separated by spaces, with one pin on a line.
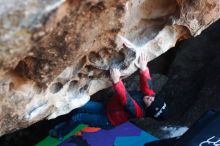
pixel 50 141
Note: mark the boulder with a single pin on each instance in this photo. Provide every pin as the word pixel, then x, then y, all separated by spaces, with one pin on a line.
pixel 81 41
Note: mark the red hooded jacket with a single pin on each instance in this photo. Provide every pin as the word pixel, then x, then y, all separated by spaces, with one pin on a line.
pixel 121 106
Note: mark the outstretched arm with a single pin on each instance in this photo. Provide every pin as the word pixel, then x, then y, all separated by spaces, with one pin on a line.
pixel 125 99
pixel 145 79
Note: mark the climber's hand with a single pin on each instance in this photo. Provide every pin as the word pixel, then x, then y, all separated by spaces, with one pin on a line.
pixel 142 61
pixel 115 74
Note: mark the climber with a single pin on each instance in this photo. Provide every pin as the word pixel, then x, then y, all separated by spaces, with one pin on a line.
pixel 121 107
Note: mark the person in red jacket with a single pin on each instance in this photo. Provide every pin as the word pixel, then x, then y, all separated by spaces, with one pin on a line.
pixel 121 107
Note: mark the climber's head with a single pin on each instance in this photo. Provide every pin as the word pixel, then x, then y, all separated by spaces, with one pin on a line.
pixel 148 100
pixel 155 107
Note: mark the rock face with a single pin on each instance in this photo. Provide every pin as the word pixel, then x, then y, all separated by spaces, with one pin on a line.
pixel 16 24
pixel 81 41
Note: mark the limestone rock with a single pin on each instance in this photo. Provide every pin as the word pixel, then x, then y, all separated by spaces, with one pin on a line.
pixel 197 15
pixel 71 62
pixel 18 19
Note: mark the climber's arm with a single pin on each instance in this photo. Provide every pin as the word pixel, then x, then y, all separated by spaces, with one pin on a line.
pixel 146 82
pixel 145 79
pixel 123 96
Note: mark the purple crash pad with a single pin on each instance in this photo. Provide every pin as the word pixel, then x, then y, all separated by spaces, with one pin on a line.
pixel 108 137
pixel 104 137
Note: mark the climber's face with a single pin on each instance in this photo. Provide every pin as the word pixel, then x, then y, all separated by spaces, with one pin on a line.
pixel 148 100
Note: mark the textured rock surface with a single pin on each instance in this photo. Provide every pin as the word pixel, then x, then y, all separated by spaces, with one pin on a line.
pixel 18 19
pixel 196 15
pixel 71 62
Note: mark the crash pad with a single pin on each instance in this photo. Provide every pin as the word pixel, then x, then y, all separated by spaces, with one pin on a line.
pixel 124 134
pixel 50 141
